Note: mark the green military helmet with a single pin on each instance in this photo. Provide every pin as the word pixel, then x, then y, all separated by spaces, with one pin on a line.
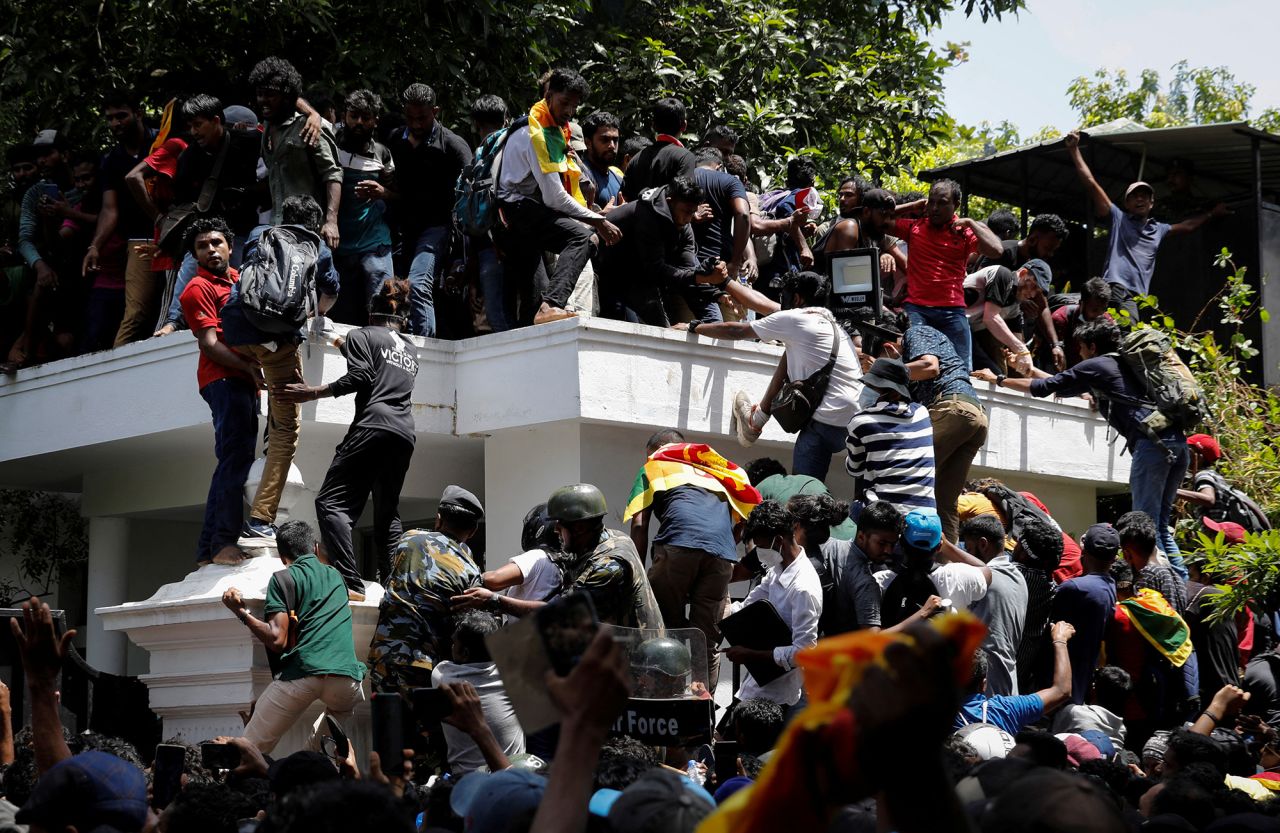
pixel 662 653
pixel 580 502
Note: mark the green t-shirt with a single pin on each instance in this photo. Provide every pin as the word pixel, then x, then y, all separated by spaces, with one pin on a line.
pixel 325 644
pixel 783 487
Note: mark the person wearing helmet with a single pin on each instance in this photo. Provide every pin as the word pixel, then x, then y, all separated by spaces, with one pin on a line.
pixel 531 576
pixel 660 668
pixel 1211 496
pixel 920 587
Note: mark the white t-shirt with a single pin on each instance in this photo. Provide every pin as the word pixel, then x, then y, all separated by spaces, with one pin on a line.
pixel 541 577
pixel 963 584
pixel 464 755
pixel 806 333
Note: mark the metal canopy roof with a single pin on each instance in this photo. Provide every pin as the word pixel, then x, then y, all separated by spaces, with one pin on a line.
pixel 1040 176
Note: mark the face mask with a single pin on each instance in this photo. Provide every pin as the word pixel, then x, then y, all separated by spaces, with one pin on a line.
pixel 769 558
pixel 868 397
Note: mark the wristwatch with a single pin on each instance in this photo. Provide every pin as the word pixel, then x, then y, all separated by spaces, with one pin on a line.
pixel 495 603
pixel 1000 377
pixel 693 326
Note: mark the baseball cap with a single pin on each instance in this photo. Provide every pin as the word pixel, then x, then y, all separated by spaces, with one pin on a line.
pixel 1137 186
pixel 462 499
pixel 92 789
pixel 731 786
pixel 922 531
pixel 1102 541
pixel 1233 532
pixel 660 802
pixel 239 114
pixel 1207 446
pixel 46 139
pixel 1079 749
pixel 490 800
pixel 577 141
pixel 1041 272
pixel 1100 740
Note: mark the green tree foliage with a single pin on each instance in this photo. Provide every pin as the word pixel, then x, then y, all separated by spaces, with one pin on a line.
pixel 40 534
pixel 849 81
pixel 1193 95
pixel 1247 425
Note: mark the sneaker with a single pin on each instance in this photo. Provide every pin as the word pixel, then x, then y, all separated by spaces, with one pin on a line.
pixel 256 530
pixel 740 420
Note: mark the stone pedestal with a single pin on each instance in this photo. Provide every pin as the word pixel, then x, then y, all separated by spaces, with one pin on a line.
pixel 205 666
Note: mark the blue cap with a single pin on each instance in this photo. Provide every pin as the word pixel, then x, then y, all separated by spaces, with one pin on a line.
pixel 602 801
pixel 731 786
pixel 1100 740
pixel 922 530
pixel 490 800
pixel 90 789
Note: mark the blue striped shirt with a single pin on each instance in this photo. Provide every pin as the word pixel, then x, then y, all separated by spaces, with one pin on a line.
pixel 890 447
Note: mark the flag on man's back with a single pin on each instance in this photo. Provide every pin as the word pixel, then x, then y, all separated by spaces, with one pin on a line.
pixel 692 464
pixel 1160 625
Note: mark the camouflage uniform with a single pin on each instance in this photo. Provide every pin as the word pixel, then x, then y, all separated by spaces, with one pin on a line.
pixel 615 578
pixel 415 625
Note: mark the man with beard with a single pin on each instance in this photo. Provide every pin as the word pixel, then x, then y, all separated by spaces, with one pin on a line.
pixel 364 258
pixel 228 383
pixel 124 217
pixel 214 137
pixel 594 559
pixel 865 222
pixel 295 167
pixel 428 159
pixel 600 130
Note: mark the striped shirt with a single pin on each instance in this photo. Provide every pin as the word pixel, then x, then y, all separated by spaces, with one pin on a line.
pixel 890 447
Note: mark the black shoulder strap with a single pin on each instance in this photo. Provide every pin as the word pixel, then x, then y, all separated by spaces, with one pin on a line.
pixel 835 348
pixel 287 588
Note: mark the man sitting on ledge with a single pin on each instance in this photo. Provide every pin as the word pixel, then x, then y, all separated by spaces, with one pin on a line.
pixel 316 654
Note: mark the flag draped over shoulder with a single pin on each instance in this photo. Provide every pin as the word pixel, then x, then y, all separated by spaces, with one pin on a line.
pixel 815 764
pixel 1160 625
pixel 551 146
pixel 692 464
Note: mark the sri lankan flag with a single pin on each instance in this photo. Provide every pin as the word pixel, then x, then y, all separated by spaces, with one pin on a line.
pixel 551 146
pixel 1160 625
pixel 692 464
pixel 815 768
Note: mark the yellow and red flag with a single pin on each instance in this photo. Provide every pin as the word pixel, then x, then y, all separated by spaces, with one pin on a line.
pixel 692 464
pixel 1160 625
pixel 551 146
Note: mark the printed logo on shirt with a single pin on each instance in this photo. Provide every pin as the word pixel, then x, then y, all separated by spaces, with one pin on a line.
pixel 400 359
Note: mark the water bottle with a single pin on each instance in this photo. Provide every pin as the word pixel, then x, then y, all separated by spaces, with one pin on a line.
pixel 695 774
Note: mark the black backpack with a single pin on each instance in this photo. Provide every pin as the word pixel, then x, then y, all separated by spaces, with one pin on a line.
pixel 1234 505
pixel 278 281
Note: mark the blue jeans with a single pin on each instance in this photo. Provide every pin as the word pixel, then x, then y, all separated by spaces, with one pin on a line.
pixel 187 271
pixel 429 254
pixel 361 276
pixel 495 302
pixel 951 322
pixel 234 405
pixel 815 444
pixel 1154 481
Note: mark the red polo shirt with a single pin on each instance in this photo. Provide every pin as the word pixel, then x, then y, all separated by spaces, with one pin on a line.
pixel 936 261
pixel 202 302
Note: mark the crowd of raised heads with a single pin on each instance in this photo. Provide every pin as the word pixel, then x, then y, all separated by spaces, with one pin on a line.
pixel 751 651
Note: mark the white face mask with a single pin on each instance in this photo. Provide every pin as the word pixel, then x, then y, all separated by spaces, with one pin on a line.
pixel 868 397
pixel 769 558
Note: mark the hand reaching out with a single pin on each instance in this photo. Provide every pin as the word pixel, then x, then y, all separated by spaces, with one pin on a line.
pixel 43 651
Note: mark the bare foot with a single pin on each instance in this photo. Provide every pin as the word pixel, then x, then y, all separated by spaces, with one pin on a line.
pixel 548 313
pixel 229 556
pixel 353 596
pixel 165 330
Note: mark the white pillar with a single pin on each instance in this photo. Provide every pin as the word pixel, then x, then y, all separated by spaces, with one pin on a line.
pixel 107 586
pixel 522 467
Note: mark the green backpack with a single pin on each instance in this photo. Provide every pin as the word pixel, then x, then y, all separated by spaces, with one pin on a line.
pixel 1171 390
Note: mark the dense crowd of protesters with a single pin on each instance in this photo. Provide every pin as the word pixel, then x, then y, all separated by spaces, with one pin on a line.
pixel 1105 693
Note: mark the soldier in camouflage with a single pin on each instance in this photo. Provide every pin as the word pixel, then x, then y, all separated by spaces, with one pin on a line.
pixel 415 623
pixel 601 561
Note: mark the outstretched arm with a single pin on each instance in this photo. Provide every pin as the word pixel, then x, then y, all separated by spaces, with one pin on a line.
pixel 1192 223
pixel 1101 202
pixel 1060 692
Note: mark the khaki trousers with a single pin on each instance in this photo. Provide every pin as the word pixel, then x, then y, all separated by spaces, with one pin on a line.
pixel 682 577
pixel 284 702
pixel 959 432
pixel 142 291
pixel 279 367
